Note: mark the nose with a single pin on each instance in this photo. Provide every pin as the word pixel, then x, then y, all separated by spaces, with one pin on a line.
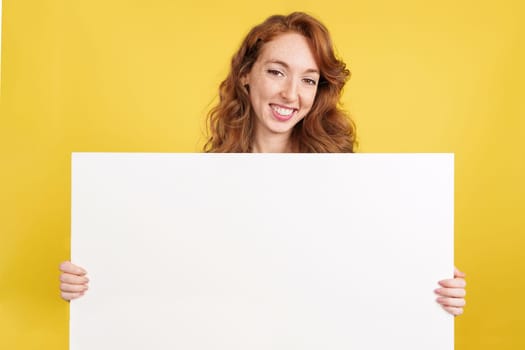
pixel 289 90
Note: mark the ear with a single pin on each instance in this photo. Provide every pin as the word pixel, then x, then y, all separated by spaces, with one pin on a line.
pixel 245 80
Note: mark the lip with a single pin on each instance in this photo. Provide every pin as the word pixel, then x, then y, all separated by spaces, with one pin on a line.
pixel 279 117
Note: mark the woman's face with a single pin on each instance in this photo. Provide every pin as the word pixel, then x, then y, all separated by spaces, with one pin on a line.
pixel 282 84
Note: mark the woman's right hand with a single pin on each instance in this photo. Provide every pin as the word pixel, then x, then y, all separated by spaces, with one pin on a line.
pixel 73 281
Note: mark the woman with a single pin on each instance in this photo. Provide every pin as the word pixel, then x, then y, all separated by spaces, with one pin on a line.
pixel 282 95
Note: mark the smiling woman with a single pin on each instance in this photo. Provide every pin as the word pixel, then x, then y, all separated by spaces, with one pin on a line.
pixel 282 85
pixel 282 92
pixel 282 95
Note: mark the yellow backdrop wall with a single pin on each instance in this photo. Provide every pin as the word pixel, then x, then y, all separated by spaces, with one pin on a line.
pixel 136 75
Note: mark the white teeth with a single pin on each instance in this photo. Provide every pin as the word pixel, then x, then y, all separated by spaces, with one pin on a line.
pixel 283 111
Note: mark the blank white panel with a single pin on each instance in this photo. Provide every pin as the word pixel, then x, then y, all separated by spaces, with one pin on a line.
pixel 262 251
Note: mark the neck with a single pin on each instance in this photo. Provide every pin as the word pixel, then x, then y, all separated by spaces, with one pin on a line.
pixel 271 143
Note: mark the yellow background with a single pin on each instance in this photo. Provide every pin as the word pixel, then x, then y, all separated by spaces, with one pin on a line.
pixel 99 75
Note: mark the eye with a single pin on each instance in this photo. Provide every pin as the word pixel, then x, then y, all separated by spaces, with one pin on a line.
pixel 310 81
pixel 275 72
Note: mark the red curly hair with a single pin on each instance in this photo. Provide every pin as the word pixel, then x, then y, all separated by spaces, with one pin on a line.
pixel 327 127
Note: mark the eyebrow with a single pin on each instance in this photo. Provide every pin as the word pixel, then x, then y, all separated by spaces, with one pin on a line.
pixel 285 65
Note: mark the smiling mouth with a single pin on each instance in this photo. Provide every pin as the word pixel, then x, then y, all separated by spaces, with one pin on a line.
pixel 282 113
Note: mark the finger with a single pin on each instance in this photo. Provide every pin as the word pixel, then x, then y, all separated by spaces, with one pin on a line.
pixel 454 302
pixel 456 311
pixel 453 283
pixel 68 267
pixel 458 273
pixel 70 296
pixel 451 292
pixel 73 288
pixel 73 279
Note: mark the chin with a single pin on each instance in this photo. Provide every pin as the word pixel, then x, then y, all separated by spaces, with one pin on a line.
pixel 279 127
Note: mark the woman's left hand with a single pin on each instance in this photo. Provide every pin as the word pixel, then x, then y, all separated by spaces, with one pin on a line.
pixel 452 293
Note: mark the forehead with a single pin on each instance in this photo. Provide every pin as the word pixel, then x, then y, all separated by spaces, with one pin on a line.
pixel 290 48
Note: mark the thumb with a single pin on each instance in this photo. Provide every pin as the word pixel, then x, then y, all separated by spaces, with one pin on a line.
pixel 458 273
